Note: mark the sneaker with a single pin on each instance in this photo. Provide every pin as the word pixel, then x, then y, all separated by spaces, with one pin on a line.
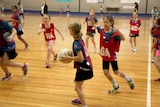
pixel 26 46
pixel 25 69
pixel 47 64
pixel 134 49
pixel 113 90
pixel 131 83
pixel 152 60
pixel 157 80
pixel 7 77
pixel 76 102
pixel 55 57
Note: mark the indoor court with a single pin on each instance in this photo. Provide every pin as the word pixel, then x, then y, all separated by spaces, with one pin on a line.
pixel 54 87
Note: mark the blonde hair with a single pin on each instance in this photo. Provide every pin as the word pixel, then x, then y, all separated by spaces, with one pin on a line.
pixel 76 29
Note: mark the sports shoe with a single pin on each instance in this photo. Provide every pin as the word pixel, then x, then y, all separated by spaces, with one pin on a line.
pixel 113 90
pixel 76 102
pixel 134 49
pixel 152 60
pixel 7 77
pixel 47 64
pixel 25 69
pixel 26 46
pixel 131 83
pixel 157 80
pixel 55 57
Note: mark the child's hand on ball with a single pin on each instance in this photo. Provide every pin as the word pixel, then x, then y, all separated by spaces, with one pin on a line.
pixel 66 58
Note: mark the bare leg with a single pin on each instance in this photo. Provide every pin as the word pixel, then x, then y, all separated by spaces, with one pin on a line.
pixel 21 39
pixel 130 40
pixel 157 63
pixel 52 51
pixel 48 52
pixel 78 89
pixel 108 75
pixel 87 40
pixel 4 68
pixel 93 41
pixel 7 62
pixel 135 42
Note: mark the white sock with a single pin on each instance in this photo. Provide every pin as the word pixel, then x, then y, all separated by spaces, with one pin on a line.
pixel 114 83
pixel 84 106
pixel 127 78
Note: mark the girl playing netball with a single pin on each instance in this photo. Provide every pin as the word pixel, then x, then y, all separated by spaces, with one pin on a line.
pixel 82 63
pixel 110 38
pixel 7 50
pixel 16 23
pixel 48 28
pixel 91 22
pixel 156 43
pixel 153 38
pixel 135 24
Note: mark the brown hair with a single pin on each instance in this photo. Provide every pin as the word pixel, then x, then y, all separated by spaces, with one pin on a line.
pixel 110 18
pixel 76 29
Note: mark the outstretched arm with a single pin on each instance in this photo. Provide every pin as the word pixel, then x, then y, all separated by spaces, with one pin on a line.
pixel 58 32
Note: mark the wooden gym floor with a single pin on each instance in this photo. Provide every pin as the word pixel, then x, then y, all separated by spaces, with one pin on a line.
pixel 54 87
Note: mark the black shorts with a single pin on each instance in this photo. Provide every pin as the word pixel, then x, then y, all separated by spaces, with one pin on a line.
pixel 19 33
pixel 11 54
pixel 114 65
pixel 134 35
pixel 83 75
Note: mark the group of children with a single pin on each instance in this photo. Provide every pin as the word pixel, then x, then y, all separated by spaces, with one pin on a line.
pixel 110 38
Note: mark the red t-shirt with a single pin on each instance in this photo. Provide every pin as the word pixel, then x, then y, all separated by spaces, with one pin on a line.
pixel 134 26
pixel 15 16
pixel 49 33
pixel 109 44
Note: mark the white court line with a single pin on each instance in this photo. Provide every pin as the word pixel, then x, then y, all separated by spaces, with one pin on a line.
pixel 148 101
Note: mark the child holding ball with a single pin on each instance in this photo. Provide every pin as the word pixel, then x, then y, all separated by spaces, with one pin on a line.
pixel 82 63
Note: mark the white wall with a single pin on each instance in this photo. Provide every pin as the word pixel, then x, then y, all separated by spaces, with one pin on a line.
pixel 84 6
